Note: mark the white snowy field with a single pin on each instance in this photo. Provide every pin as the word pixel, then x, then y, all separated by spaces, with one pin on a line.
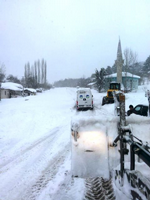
pixel 35 143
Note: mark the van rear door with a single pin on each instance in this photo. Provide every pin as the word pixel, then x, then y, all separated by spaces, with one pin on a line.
pixel 84 99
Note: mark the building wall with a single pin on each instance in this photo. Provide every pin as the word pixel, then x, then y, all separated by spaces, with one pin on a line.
pixel 129 83
pixel 5 94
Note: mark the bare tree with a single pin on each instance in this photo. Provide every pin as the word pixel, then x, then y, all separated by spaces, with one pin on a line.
pixel 42 70
pixel 28 70
pixel 32 71
pixel 2 72
pixel 35 75
pixel 25 72
pixel 130 58
pixel 39 77
pixel 45 73
pixel 35 71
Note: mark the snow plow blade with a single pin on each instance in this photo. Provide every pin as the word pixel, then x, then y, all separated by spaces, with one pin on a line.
pixel 89 149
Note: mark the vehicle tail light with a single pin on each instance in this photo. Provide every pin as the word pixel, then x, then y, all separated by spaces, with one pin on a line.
pixel 77 102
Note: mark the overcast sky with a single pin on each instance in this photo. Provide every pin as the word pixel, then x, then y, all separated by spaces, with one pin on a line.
pixel 74 36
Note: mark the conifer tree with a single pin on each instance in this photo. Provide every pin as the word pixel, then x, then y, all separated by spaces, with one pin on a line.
pixel 146 67
pixel 100 79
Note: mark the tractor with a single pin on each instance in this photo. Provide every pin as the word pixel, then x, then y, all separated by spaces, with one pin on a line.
pixel 109 98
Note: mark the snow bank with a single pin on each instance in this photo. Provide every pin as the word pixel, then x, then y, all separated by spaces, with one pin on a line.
pixel 90 152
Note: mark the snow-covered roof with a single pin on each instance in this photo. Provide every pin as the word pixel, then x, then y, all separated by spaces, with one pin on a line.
pixel 93 83
pixel 124 74
pixel 12 86
pixel 30 90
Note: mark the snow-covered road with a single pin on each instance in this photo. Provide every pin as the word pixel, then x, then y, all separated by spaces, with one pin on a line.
pixel 34 142
pixel 35 145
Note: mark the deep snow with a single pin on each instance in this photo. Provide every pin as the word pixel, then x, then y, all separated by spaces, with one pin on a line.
pixel 35 143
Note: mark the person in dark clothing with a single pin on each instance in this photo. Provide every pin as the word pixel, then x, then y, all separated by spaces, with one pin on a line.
pixel 130 111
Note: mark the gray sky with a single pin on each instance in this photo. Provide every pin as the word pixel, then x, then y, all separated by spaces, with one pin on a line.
pixel 74 36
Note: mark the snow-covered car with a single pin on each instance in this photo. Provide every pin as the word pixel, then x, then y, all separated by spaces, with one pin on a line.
pixel 39 90
pixel 84 99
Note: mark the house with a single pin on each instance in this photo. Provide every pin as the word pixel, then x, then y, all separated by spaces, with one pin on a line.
pixel 91 85
pixel 29 91
pixel 130 81
pixel 5 93
pixel 9 90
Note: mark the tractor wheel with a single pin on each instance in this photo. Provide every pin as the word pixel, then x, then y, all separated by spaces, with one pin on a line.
pixel 103 101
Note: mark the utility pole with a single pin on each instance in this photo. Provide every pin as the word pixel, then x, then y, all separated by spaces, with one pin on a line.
pixel 148 96
pixel 0 91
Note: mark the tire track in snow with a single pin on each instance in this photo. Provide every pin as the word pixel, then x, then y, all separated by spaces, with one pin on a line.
pixel 51 136
pixel 70 189
pixel 49 159
pixel 48 174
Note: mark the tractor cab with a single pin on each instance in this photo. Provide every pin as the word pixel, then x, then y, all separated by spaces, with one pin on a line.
pixel 114 86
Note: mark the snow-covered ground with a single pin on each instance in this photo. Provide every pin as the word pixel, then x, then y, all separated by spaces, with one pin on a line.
pixel 36 141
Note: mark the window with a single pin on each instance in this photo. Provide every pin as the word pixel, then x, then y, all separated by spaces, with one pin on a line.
pixel 82 92
pixel 138 108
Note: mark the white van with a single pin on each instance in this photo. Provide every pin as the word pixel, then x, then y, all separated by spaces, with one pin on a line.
pixel 84 99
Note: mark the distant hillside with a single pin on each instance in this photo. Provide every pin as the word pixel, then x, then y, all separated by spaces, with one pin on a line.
pixel 82 82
